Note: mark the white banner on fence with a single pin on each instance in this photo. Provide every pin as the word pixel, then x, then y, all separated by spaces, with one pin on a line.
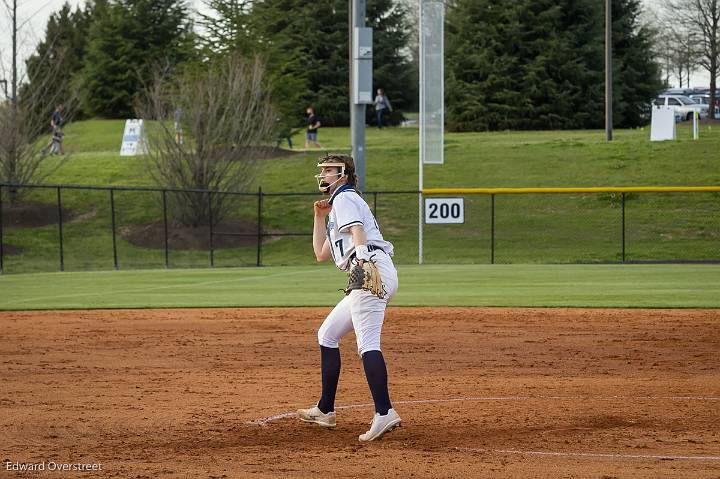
pixel 134 141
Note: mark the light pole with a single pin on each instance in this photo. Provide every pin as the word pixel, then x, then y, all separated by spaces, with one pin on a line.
pixel 357 110
pixel 608 71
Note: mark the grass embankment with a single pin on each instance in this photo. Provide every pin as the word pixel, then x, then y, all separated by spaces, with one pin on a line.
pixel 529 228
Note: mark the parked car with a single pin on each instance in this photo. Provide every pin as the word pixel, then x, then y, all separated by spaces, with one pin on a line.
pixel 704 99
pixel 678 91
pixel 684 106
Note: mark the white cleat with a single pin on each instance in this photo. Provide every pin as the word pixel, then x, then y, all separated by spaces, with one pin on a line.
pixel 314 414
pixel 381 425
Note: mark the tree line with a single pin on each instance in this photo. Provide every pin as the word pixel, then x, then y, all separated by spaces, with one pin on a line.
pixel 539 64
pixel 510 64
pixel 688 40
pixel 109 49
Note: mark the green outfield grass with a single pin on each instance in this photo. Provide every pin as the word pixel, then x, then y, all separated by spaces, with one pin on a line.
pixel 651 286
pixel 497 159
pixel 529 228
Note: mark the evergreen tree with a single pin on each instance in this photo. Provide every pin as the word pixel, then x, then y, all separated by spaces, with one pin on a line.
pixel 393 71
pixel 306 48
pixel 108 66
pixel 282 42
pixel 482 65
pixel 636 76
pixel 58 56
pixel 325 47
pixel 563 64
pixel 227 28
pixel 539 64
pixel 127 40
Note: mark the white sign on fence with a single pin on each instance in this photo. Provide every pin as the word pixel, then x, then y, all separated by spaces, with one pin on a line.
pixel 662 125
pixel 134 141
pixel 444 210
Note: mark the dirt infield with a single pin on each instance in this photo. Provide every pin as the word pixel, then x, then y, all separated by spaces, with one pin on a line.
pixel 497 393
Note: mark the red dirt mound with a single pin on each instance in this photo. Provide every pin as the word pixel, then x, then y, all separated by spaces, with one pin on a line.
pixel 152 235
pixel 9 250
pixel 31 214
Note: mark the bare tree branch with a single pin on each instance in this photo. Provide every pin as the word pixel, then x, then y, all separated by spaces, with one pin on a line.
pixel 23 132
pixel 227 124
pixel 702 17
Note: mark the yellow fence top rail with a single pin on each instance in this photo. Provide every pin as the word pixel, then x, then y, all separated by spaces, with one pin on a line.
pixel 601 189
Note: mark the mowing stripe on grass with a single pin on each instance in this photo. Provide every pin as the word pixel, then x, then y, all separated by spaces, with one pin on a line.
pixel 154 288
pixel 636 286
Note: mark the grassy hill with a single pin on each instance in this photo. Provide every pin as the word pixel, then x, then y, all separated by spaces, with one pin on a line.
pixel 529 228
pixel 512 159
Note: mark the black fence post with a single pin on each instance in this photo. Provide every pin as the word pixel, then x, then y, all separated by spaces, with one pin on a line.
pixel 112 217
pixel 60 229
pixel 165 228
pixel 622 203
pixel 259 226
pixel 492 229
pixel 1 231
pixel 210 224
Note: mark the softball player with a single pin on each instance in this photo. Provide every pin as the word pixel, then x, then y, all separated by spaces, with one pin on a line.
pixel 352 236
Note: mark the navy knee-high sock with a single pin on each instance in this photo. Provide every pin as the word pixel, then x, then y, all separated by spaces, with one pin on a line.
pixel 330 365
pixel 376 375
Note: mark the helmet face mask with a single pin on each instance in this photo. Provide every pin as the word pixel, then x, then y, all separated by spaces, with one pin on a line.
pixel 323 185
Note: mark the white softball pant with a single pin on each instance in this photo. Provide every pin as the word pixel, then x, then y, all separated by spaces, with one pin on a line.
pixel 361 311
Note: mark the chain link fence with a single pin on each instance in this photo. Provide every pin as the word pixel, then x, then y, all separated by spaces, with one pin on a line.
pixel 82 228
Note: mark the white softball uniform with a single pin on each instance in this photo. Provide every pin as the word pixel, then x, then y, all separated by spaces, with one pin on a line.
pixel 349 209
pixel 360 310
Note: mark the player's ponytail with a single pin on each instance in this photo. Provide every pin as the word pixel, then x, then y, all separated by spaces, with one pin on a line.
pixel 355 182
pixel 353 179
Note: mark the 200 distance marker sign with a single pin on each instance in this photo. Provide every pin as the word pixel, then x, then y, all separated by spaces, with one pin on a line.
pixel 444 210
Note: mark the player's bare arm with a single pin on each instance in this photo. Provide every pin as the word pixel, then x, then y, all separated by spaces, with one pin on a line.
pixel 359 238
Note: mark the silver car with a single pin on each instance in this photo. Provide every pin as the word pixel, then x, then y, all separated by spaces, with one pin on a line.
pixel 684 106
pixel 704 99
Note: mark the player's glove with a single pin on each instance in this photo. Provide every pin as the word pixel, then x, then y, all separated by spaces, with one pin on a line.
pixel 365 275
